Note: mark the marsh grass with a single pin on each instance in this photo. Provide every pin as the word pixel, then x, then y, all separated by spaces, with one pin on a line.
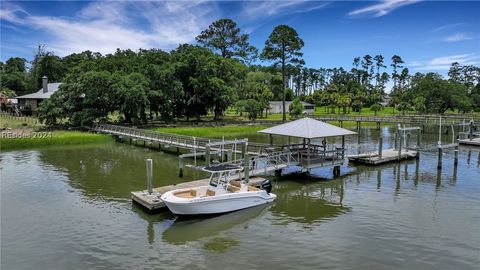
pixel 213 132
pixel 53 138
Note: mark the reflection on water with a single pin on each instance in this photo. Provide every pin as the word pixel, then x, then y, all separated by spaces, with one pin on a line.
pixel 220 244
pixel 187 229
pixel 308 202
pixel 114 171
pixel 69 208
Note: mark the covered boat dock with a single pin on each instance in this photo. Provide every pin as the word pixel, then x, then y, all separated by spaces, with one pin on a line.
pixel 313 151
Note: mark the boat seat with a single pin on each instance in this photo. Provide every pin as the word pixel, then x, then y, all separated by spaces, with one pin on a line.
pixel 233 188
pixel 236 184
pixel 188 194
pixel 252 188
pixel 210 192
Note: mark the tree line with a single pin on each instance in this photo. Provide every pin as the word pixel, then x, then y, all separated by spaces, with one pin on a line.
pixel 222 72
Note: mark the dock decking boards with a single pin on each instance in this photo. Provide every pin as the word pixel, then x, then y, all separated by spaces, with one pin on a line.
pixel 473 142
pixel 388 155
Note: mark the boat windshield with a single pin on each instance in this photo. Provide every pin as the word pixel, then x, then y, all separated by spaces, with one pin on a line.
pixel 222 174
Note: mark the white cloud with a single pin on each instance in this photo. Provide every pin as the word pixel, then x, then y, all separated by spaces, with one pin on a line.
pixel 447 26
pixel 457 37
pixel 12 13
pixel 444 62
pixel 382 8
pixel 256 9
pixel 106 26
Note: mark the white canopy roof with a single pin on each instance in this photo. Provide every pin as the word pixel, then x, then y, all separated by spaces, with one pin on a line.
pixel 307 128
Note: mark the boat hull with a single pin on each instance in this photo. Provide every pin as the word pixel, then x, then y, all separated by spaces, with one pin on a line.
pixel 216 204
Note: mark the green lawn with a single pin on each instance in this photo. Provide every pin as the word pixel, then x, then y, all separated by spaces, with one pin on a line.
pixel 7 121
pixel 49 138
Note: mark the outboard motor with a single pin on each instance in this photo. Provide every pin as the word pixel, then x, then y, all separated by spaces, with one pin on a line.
pixel 266 185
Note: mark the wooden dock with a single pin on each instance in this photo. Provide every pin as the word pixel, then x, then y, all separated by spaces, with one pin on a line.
pixel 174 140
pixel 473 141
pixel 388 155
pixel 152 202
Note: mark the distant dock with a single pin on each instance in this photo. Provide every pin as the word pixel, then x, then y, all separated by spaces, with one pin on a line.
pixel 152 202
pixel 386 156
pixel 473 141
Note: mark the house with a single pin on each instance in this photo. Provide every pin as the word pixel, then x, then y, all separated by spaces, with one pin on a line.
pixel 28 104
pixel 386 100
pixel 7 104
pixel 276 107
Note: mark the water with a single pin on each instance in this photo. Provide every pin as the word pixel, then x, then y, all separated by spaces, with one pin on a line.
pixel 69 208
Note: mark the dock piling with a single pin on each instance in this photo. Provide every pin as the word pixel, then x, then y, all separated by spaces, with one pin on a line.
pixel 455 162
pixel 246 167
pixel 380 147
pixel 150 176
pixel 440 155
pixel 400 143
pixel 180 166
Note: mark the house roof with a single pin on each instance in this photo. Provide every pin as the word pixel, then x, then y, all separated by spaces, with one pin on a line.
pixel 307 128
pixel 286 102
pixel 52 88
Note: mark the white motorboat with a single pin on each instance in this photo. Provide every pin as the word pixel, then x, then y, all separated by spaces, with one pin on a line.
pixel 224 193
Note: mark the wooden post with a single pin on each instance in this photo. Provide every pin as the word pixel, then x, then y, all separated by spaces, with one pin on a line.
pixel 407 142
pixel 395 144
pixel 400 144
pixel 246 167
pixel 289 147
pixel 455 161
pixel 378 125
pixel 418 140
pixel 343 147
pixel 180 166
pixel 207 154
pixel 150 176
pixel 243 150
pixel 308 154
pixel 440 155
pixel 380 147
pixel 470 135
pixel 270 139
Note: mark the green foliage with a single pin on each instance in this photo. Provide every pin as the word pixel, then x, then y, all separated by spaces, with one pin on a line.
pixel 296 108
pixel 283 48
pixel 12 76
pixel 438 95
pixel 224 35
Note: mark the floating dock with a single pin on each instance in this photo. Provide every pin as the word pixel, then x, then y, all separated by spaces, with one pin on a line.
pixel 388 155
pixel 473 141
pixel 152 202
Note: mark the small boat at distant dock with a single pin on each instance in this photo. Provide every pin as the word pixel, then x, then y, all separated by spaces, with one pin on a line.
pixel 226 192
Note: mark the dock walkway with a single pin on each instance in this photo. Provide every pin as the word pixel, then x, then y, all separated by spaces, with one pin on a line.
pixel 173 140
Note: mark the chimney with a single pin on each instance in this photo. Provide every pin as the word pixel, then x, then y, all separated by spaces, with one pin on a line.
pixel 45 84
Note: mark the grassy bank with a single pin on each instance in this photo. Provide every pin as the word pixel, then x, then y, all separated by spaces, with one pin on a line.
pixel 48 138
pixel 8 121
pixel 213 132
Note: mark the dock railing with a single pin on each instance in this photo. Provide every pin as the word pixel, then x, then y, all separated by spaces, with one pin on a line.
pixel 173 140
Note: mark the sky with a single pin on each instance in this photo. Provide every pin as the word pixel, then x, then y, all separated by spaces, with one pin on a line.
pixel 428 35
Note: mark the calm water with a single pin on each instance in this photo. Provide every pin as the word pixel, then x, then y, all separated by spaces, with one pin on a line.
pixel 69 208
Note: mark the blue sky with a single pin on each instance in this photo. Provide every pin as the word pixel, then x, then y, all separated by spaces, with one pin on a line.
pixel 428 35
